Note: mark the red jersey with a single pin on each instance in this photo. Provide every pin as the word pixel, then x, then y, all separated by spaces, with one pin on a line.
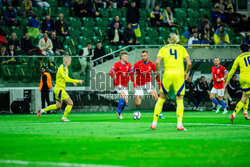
pixel 218 72
pixel 121 73
pixel 143 72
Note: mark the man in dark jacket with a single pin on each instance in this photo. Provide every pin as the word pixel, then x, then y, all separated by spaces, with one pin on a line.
pixel 10 16
pixel 234 88
pixel 62 28
pixel 48 25
pixel 202 89
pixel 45 86
pixel 98 52
pixel 115 35
pixel 133 14
pixel 129 36
pixel 156 17
pixel 80 9
pixel 57 45
pixel 190 92
pixel 27 46
pixel 231 18
pixel 92 9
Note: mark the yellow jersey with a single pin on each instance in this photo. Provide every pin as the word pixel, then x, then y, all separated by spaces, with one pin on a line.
pixel 62 76
pixel 243 61
pixel 173 56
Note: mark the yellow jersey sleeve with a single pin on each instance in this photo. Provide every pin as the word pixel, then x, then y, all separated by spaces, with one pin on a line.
pixel 184 53
pixel 65 76
pixel 234 68
pixel 160 53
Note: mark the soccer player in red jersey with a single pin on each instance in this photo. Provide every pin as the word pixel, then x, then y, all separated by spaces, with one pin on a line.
pixel 219 74
pixel 143 70
pixel 121 73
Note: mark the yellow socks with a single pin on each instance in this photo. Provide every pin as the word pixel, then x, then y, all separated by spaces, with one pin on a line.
pixel 49 108
pixel 67 111
pixel 158 109
pixel 239 106
pixel 245 108
pixel 179 111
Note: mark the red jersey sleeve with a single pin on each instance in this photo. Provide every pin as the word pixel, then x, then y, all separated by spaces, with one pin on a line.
pixel 113 69
pixel 224 70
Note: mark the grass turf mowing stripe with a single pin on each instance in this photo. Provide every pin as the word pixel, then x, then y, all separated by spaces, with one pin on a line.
pixel 18 162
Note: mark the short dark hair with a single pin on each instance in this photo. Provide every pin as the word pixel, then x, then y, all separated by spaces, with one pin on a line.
pixel 244 48
pixel 202 77
pixel 43 67
pixel 89 43
pixel 98 41
pixel 144 51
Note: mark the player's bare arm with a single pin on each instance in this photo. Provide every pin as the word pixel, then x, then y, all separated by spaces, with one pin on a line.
pixel 189 64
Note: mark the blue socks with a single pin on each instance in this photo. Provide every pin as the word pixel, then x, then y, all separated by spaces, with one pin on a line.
pixel 223 104
pixel 215 101
pixel 120 105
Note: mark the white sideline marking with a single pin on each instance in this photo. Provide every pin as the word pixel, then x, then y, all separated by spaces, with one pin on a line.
pixel 195 124
pixel 18 162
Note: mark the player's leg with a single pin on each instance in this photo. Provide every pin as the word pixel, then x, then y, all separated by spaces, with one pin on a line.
pixel 245 109
pixel 49 108
pixel 68 108
pixel 138 94
pixel 137 101
pixel 214 100
pixel 239 106
pixel 165 87
pixel 121 104
pixel 154 95
pixel 43 99
pixel 222 102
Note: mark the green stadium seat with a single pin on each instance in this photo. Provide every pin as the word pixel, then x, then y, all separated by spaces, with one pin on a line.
pixel 205 4
pixel 102 22
pixel 63 10
pixel 184 5
pixel 161 41
pixel 87 32
pixel 192 13
pixel 72 50
pixel 88 22
pixel 24 72
pixel 83 40
pixel 105 13
pixel 152 32
pixel 9 72
pixel 95 39
pixel 74 22
pixel 124 12
pixel 192 22
pixel 115 12
pixel 193 4
pixel 53 3
pixel 150 40
pixel 101 31
pixel 164 32
pixel 143 14
pixel 75 64
pixel 142 23
pixel 38 11
pixel 236 40
pixel 46 11
pixel 74 32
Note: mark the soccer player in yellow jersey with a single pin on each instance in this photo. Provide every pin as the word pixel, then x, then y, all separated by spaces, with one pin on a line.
pixel 59 90
pixel 243 61
pixel 173 56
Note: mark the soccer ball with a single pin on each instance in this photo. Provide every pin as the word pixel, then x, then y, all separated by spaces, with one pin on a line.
pixel 136 115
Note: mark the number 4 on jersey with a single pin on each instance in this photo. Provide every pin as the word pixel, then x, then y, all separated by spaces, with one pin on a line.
pixel 173 54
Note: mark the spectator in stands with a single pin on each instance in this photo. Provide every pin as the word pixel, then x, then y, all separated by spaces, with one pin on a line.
pixel 156 17
pixel 13 41
pixel 52 68
pixel 15 3
pixel 100 4
pixel 34 26
pixel 84 53
pixel 80 9
pixel 247 41
pixel 3 58
pixel 41 3
pixel 115 35
pixel 190 92
pixel 129 36
pixel 217 13
pixel 234 88
pixel 2 37
pixel 124 4
pixel 45 45
pixel 243 25
pixel 221 37
pixel 61 26
pixel 221 6
pixel 150 4
pixel 218 23
pixel 168 18
pixel 116 20
pixel 57 45
pixel 92 9
pixel 231 18
pixel 202 89
pixel 229 4
pixel 48 25
pixel 26 8
pixel 13 55
pixel 45 86
pixel 133 14
pixel 98 52
pixel 203 22
pixel 10 16
pixel 193 39
pixel 187 34
pixel 27 46
pixel 207 34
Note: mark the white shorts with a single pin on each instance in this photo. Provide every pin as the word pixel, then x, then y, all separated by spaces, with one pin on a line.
pixel 120 88
pixel 148 86
pixel 219 92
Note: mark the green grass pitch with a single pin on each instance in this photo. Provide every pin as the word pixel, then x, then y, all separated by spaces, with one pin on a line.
pixel 102 139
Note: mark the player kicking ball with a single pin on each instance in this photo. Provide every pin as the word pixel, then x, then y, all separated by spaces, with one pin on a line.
pixel 174 77
pixel 59 90
pixel 243 61
pixel 219 74
pixel 121 73
pixel 143 70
